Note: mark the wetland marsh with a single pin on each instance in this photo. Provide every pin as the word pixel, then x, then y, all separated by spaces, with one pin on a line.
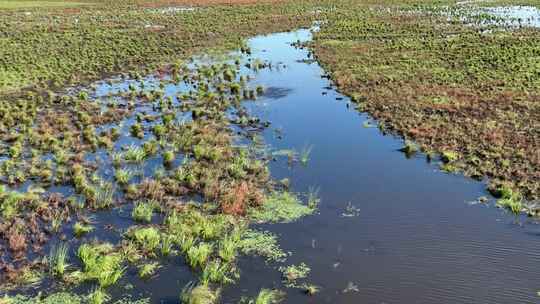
pixel 382 154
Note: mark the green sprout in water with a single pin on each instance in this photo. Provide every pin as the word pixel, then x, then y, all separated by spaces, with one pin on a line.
pixel 143 211
pixel 293 273
pixel 305 154
pixel 80 229
pixel 123 176
pixel 148 270
pixel 266 296
pixel 58 260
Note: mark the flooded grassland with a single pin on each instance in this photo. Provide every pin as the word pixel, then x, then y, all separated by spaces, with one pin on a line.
pixel 233 171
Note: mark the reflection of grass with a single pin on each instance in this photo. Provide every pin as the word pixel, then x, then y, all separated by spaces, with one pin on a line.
pixel 15 4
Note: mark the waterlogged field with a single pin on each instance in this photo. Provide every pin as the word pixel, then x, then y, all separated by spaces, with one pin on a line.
pixel 158 152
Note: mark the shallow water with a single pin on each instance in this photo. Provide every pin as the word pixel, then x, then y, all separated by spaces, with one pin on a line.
pixel 516 15
pixel 416 238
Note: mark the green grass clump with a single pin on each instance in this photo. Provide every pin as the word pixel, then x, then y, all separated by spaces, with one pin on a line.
pixel 217 272
pixel 201 294
pixel 449 156
pixel 515 205
pixel 228 246
pixel 80 229
pixel 409 148
pixel 196 224
pixel 168 157
pixel 143 212
pixel 134 154
pixel 280 207
pixel 98 296
pixel 198 255
pixel 58 260
pixel 147 238
pixel 11 202
pixel 148 270
pixel 269 296
pixel 123 176
pixel 101 264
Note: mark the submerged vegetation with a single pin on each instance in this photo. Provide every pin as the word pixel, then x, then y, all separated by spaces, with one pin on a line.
pixel 282 207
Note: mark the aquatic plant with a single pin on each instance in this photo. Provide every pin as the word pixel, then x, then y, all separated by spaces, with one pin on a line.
pixel 197 255
pixel 261 243
pixel 217 272
pixel 167 245
pixel 101 263
pixel 186 243
pixel 143 211
pixel 117 159
pixel 149 269
pixel 147 238
pixel 55 298
pixel 293 273
pixel 409 148
pixel 310 289
pixel 280 207
pixel 313 199
pixel 10 201
pixel 98 296
pixel 513 204
pixel 104 197
pixel 268 296
pixel 201 294
pixel 134 154
pixel 123 176
pixel 228 247
pixel 449 156
pixel 58 259
pixel 80 229
pixel 137 130
pixel 149 148
pixel 305 154
pixel 168 157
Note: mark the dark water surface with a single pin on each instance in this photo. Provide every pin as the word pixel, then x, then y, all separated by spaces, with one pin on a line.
pixel 416 237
